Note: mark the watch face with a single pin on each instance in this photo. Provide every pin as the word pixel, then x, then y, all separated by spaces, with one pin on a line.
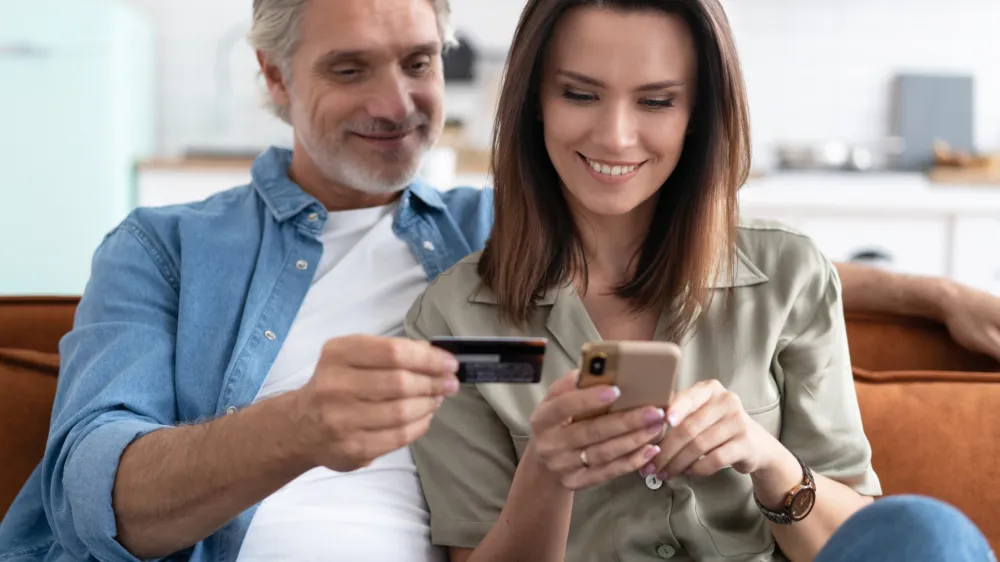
pixel 802 503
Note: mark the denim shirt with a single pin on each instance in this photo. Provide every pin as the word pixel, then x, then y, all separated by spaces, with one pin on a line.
pixel 180 322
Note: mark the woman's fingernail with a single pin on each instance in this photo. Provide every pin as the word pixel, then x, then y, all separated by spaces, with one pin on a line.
pixel 451 364
pixel 652 416
pixel 674 419
pixel 655 429
pixel 451 385
pixel 648 469
pixel 611 394
pixel 439 400
pixel 651 452
pixel 663 476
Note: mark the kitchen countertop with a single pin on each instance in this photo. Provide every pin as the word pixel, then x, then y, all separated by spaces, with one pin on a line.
pixel 878 193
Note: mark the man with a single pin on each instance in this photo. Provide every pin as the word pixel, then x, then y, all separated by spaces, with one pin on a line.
pixel 212 401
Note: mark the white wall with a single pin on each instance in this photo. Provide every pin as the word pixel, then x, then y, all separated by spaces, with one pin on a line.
pixel 822 69
pixel 816 69
pixel 191 35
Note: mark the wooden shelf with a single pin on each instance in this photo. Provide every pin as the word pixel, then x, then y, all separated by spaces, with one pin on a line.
pixel 965 176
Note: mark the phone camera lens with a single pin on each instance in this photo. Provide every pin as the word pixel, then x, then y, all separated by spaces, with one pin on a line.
pixel 597 365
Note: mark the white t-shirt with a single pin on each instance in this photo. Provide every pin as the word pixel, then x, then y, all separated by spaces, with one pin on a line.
pixel 364 284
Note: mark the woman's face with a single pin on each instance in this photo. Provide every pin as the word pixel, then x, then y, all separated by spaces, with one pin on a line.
pixel 617 94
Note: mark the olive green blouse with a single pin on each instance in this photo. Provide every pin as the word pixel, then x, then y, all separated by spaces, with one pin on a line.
pixel 779 343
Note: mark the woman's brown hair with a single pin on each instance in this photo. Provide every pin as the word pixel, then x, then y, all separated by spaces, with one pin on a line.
pixel 535 244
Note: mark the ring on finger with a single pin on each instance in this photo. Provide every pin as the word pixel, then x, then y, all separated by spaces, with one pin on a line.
pixel 583 459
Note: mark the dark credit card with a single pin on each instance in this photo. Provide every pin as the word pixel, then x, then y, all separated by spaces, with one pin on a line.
pixel 496 360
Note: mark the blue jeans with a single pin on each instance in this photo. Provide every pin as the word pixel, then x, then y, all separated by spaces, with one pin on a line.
pixel 907 528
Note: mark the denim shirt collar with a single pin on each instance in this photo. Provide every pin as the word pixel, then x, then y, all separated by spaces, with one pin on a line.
pixel 285 199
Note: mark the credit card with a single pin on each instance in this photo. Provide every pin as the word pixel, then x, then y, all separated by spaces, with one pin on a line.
pixel 495 360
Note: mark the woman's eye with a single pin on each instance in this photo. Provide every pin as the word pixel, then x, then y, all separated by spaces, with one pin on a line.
pixel 658 103
pixel 578 96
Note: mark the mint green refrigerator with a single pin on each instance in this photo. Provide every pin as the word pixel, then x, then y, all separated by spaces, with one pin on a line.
pixel 76 113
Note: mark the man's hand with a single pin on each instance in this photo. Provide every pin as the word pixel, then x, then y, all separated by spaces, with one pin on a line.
pixel 370 396
pixel 973 318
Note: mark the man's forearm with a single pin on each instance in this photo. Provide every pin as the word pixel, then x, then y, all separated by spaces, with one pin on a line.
pixel 175 487
pixel 867 289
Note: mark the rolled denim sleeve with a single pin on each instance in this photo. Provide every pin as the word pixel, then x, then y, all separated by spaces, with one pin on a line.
pixel 116 384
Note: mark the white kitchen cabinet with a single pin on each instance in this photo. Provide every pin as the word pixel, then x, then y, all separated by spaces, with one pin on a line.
pixel 975 255
pixel 916 246
pixel 920 228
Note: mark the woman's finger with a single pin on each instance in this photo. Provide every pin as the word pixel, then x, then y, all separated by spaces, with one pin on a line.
pixel 623 465
pixel 563 384
pixel 729 454
pixel 711 439
pixel 586 433
pixel 691 399
pixel 608 451
pixel 560 409
pixel 680 436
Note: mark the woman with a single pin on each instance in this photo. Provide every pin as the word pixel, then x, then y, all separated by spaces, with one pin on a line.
pixel 621 140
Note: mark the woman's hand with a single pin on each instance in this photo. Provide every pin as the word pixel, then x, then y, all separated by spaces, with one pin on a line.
pixel 588 452
pixel 710 431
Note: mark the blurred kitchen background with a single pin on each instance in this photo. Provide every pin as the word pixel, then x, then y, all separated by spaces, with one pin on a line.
pixel 876 123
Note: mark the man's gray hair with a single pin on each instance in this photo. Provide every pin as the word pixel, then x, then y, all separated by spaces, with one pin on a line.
pixel 276 32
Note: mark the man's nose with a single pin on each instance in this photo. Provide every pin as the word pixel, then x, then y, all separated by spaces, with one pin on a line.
pixel 391 99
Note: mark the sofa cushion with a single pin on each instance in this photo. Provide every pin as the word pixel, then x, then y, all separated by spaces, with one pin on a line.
pixel 936 433
pixel 35 322
pixel 28 379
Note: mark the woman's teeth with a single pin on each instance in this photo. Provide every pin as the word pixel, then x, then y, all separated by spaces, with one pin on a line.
pixel 611 170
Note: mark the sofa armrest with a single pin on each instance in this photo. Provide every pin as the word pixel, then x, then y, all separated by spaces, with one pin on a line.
pixel 36 323
pixel 886 342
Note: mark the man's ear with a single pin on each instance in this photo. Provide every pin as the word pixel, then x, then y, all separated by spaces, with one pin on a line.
pixel 275 79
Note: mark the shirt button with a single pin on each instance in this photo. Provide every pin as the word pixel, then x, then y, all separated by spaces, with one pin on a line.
pixel 270 335
pixel 230 410
pixel 653 483
pixel 313 217
pixel 302 265
pixel 429 246
pixel 666 551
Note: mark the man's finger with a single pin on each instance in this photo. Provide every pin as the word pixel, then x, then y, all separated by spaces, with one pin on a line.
pixel 993 342
pixel 367 446
pixel 374 352
pixel 392 415
pixel 380 385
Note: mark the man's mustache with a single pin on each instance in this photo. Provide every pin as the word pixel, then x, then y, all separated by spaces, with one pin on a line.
pixel 381 126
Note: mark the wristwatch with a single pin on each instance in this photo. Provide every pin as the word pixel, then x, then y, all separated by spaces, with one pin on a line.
pixel 798 503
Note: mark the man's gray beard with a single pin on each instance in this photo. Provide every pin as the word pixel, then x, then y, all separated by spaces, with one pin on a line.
pixel 344 167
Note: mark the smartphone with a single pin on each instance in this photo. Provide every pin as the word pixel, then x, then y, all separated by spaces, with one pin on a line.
pixel 644 371
pixel 495 360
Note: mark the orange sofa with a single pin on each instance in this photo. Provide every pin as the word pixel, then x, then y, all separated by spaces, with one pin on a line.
pixel 931 409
